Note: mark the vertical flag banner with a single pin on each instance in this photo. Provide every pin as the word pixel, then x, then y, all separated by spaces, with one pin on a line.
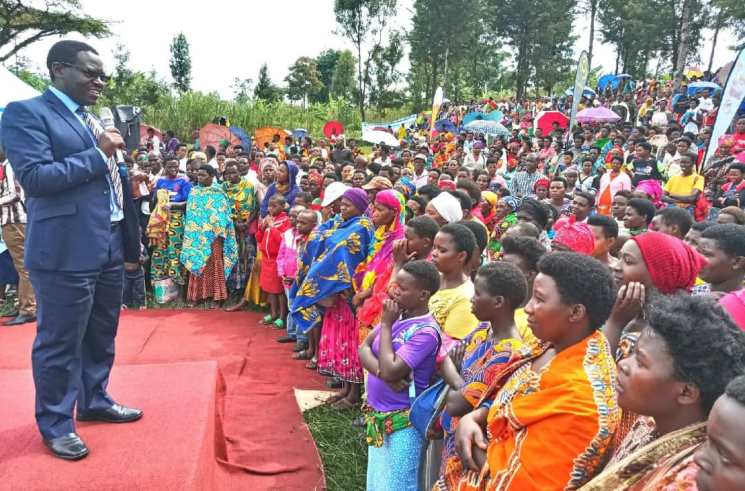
pixel 732 95
pixel 436 103
pixel 580 80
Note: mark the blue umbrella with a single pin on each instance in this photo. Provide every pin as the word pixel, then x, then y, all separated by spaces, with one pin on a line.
pixel 243 137
pixel 473 116
pixel 445 125
pixel 605 80
pixel 495 115
pixel 586 92
pixel 696 86
pixel 299 133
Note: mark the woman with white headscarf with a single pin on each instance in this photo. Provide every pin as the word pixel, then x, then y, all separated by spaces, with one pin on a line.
pixel 444 208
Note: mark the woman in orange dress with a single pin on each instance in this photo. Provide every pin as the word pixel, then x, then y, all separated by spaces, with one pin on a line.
pixel 547 421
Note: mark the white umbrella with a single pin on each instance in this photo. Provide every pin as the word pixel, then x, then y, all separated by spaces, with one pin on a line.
pixel 488 127
pixel 378 136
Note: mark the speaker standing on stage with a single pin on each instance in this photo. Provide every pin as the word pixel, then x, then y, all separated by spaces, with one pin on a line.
pixel 82 227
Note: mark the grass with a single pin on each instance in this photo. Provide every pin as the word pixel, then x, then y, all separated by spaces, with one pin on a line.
pixel 342 447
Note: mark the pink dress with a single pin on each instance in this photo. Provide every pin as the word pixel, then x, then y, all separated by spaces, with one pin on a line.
pixel 337 349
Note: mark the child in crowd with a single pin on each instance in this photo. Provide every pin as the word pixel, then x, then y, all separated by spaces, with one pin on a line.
pixel 399 355
pixel 269 238
pixel 639 214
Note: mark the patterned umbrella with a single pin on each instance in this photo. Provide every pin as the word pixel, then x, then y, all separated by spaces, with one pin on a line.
pixel 488 127
pixel 333 129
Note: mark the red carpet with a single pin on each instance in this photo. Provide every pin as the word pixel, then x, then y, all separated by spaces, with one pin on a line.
pixel 245 404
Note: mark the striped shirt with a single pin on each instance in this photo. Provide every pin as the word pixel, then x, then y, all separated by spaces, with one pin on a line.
pixel 12 206
pixel 521 184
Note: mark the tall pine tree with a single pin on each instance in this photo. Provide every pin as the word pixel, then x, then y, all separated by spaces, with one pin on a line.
pixel 180 63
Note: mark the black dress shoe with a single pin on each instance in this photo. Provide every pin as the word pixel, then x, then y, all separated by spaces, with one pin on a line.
pixel 285 339
pixel 20 319
pixel 114 414
pixel 68 447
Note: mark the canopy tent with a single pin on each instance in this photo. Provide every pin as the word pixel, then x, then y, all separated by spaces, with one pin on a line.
pixel 12 89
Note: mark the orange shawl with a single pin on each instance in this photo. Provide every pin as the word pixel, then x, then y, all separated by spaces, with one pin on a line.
pixel 550 430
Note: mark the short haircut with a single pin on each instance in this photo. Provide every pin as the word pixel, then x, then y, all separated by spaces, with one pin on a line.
pixel 677 216
pixel 609 225
pixel 736 389
pixel 424 227
pixel 181 145
pixel 581 280
pixel 419 199
pixel 537 210
pixel 305 195
pixel 735 212
pixel 463 238
pixel 707 347
pixel 463 198
pixel 740 167
pixel 277 198
pixel 470 187
pixel 625 193
pixel 526 229
pixel 588 196
pixel 505 280
pixel 730 238
pixel 425 274
pixel 643 207
pixel 528 248
pixel 208 169
pixel 701 226
pixel 66 52
pixel 479 232
pixel 559 179
pixel 645 145
pixel 429 191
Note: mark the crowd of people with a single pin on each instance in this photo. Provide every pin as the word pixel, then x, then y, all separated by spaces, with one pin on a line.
pixel 538 311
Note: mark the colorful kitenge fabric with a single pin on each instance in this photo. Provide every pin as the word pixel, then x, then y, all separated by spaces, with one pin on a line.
pixel 165 258
pixel 484 359
pixel 243 198
pixel 665 463
pixel 211 283
pixel 500 227
pixel 328 266
pixel 379 424
pixel 530 412
pixel 337 349
pixel 208 216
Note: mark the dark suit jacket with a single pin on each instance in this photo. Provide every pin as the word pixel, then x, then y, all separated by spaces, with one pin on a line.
pixel 67 192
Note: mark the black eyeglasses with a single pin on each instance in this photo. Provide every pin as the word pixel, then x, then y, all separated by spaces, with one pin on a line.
pixel 89 74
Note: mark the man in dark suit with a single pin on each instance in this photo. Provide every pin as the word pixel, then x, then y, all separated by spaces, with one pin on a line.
pixel 82 228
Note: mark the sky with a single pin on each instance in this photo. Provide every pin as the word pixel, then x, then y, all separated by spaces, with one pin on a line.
pixel 230 39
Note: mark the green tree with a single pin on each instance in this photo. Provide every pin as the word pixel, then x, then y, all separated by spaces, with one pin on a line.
pixel 265 89
pixel 363 22
pixel 342 82
pixel 326 65
pixel 730 14
pixel 242 90
pixel 131 87
pixel 384 75
pixel 180 63
pixel 22 69
pixel 23 22
pixel 303 80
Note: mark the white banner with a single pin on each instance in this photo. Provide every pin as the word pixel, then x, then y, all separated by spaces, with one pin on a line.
pixel 732 95
pixel 580 80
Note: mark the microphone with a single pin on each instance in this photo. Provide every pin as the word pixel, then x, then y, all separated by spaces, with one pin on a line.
pixel 107 121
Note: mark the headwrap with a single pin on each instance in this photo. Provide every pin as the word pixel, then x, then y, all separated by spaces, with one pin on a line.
pixel 479 145
pixel 576 236
pixel 734 304
pixel 379 183
pixel 380 257
pixel 653 189
pixel 409 185
pixel 199 155
pixel 358 197
pixel 446 184
pixel 672 264
pixel 512 202
pixel 541 182
pixel 448 207
pixel 728 140
pixel 289 191
pixel 490 197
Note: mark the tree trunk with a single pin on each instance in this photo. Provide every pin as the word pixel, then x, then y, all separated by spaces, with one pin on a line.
pixel 618 58
pixel 717 27
pixel 593 13
pixel 360 93
pixel 683 47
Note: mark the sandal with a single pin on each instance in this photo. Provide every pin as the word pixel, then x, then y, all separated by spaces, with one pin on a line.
pixel 268 319
pixel 312 365
pixel 299 347
pixel 302 355
pixel 279 324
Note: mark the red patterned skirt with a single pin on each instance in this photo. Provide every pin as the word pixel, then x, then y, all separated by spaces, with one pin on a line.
pixel 337 349
pixel 212 282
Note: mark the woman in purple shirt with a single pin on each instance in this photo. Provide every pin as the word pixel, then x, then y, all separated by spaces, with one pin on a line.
pixel 401 348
